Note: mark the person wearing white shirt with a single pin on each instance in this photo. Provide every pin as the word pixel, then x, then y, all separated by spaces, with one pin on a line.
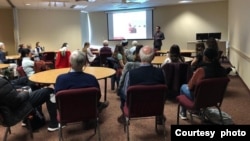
pixel 130 52
pixel 37 52
pixel 87 50
pixel 27 63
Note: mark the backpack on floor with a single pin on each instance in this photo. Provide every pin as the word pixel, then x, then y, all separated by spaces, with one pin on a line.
pixel 213 115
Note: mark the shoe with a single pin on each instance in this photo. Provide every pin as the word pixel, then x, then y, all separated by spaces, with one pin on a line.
pixel 121 119
pixel 103 105
pixel 53 98
pixel 183 116
pixel 23 124
pixel 159 120
pixel 195 113
pixel 52 128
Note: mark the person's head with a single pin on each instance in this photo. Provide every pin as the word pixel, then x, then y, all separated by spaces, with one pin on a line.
pixel 105 43
pixel 2 47
pixel 78 60
pixel 200 48
pixel 210 55
pixel 158 28
pixel 134 43
pixel 124 42
pixel 29 46
pixel 147 54
pixel 212 43
pixel 85 46
pixel 21 45
pixel 37 44
pixel 64 45
pixel 174 50
pixel 119 49
pixel 174 53
pixel 25 52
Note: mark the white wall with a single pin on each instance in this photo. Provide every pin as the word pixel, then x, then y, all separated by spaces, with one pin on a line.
pixel 239 37
pixel 180 23
pixel 51 28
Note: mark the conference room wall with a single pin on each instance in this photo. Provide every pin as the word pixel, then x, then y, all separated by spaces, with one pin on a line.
pixel 6 30
pixel 239 41
pixel 180 23
pixel 50 27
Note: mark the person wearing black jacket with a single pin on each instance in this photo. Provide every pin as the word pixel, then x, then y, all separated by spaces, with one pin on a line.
pixel 15 106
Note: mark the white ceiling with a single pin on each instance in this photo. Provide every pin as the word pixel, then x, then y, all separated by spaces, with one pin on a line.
pixel 98 5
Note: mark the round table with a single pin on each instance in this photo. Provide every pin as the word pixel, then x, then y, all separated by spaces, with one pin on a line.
pixel 13 57
pixel 3 66
pixel 49 76
pixel 158 60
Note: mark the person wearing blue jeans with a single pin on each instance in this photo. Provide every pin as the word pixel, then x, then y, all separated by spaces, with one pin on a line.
pixel 210 69
pixel 185 90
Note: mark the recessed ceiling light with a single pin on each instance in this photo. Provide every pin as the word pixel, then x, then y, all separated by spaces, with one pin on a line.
pixel 78 6
pixel 27 4
pixel 185 1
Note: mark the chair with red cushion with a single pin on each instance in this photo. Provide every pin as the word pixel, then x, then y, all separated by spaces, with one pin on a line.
pixel 49 58
pixel 62 59
pixel 20 71
pixel 145 101
pixel 176 74
pixel 208 93
pixel 77 105
pixel 103 58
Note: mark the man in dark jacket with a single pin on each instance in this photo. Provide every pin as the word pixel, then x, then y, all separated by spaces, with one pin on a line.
pixel 15 106
pixel 146 74
pixel 158 37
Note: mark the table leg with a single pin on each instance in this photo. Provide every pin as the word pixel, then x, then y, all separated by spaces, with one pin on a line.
pixel 105 89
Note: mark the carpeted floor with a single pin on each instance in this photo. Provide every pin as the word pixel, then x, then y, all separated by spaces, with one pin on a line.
pixel 236 103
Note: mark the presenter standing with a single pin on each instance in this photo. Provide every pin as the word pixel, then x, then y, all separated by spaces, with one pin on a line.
pixel 158 37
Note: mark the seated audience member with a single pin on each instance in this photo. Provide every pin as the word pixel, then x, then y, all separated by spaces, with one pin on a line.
pixel 104 53
pixel 212 43
pixel 174 55
pixel 197 61
pixel 37 52
pixel 124 43
pixel 76 78
pixel 146 74
pixel 210 69
pixel 2 45
pixel 64 48
pixel 129 66
pixel 20 47
pixel 105 49
pixel 27 63
pixel 28 67
pixel 62 57
pixel 120 58
pixel 130 52
pixel 92 58
pixel 3 60
pixel 2 54
pixel 22 103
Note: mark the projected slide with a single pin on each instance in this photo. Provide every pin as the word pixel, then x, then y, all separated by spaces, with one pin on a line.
pixel 130 25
